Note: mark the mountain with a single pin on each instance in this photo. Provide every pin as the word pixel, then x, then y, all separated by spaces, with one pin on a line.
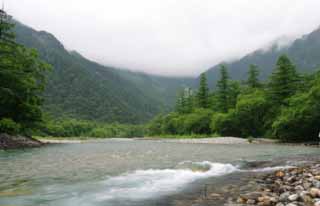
pixel 83 89
pixel 304 52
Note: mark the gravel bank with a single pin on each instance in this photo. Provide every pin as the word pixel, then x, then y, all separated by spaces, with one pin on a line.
pixel 298 186
pixel 217 140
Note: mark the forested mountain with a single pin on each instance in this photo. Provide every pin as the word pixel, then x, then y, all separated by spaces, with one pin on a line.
pixel 80 88
pixel 304 52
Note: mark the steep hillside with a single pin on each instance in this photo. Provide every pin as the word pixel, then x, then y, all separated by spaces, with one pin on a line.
pixel 304 52
pixel 83 89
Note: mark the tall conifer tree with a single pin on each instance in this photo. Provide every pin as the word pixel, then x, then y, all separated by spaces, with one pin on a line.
pixel 253 77
pixel 223 89
pixel 284 80
pixel 203 93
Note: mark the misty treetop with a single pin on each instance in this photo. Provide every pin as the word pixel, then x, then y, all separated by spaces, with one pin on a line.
pixel 286 107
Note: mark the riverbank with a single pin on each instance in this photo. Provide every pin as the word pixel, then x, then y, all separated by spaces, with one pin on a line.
pixel 212 140
pixel 297 184
pixel 18 142
pixel 287 187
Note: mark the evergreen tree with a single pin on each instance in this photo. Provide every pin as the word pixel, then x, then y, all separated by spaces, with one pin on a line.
pixel 223 89
pixel 203 93
pixel 180 104
pixel 21 79
pixel 284 80
pixel 184 104
pixel 189 100
pixel 253 77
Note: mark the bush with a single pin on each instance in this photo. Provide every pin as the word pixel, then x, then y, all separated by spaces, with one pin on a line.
pixel 81 128
pixel 198 122
pixel 225 124
pixel 251 110
pixel 300 121
pixel 9 126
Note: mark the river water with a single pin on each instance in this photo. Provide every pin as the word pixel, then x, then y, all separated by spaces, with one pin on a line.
pixel 124 172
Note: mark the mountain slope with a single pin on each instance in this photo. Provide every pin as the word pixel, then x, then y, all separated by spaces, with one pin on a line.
pixel 304 52
pixel 83 89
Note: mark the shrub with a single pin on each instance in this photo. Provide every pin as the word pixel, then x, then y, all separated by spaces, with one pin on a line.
pixel 9 126
pixel 225 124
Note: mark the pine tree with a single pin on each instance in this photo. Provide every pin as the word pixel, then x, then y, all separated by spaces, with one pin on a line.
pixel 284 80
pixel 188 100
pixel 22 79
pixel 253 77
pixel 203 93
pixel 223 89
pixel 184 104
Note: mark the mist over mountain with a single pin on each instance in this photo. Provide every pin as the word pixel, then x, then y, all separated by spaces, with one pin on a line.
pixel 83 89
pixel 304 52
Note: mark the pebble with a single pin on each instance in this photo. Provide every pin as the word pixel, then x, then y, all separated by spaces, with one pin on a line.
pixel 298 186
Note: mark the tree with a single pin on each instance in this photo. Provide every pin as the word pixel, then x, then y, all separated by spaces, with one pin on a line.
pixel 300 120
pixel 22 79
pixel 283 82
pixel 223 89
pixel 251 110
pixel 253 77
pixel 184 103
pixel 203 93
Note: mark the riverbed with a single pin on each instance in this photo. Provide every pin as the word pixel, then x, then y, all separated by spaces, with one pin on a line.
pixel 133 172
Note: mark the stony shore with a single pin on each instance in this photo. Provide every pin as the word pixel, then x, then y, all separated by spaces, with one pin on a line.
pixel 298 186
pixel 18 142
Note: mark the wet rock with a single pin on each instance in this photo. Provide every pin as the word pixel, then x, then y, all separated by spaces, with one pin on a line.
pixel 315 192
pixel 284 196
pixel 293 197
pixel 299 186
pixel 280 174
pixel 251 202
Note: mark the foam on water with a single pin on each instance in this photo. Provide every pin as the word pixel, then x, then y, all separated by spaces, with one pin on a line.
pixel 143 184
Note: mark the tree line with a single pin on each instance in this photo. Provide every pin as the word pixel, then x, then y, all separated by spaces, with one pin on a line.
pixel 285 107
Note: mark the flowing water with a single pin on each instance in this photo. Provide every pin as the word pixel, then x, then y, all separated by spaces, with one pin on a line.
pixel 131 172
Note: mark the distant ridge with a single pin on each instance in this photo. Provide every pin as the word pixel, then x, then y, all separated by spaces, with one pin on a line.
pixel 304 52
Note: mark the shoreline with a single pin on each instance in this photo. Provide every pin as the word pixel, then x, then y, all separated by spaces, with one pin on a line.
pixel 213 140
pixel 291 186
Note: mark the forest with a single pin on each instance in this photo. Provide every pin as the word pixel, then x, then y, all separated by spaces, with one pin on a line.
pixel 285 107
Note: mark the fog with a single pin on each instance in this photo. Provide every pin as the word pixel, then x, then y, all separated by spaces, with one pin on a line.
pixel 168 37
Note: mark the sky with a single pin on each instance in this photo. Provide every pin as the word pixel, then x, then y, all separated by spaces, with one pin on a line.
pixel 168 37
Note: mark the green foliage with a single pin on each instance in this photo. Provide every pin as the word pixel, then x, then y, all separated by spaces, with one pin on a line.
pixel 288 108
pixel 253 77
pixel 227 92
pixel 301 119
pixel 283 81
pixel 9 126
pixel 251 110
pixel 82 128
pixel 22 80
pixel 203 92
pixel 81 89
pixel 223 89
pixel 197 122
pixel 185 102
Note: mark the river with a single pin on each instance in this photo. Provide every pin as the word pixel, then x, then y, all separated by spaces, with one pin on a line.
pixel 126 172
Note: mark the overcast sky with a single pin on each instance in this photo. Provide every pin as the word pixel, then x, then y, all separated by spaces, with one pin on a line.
pixel 168 37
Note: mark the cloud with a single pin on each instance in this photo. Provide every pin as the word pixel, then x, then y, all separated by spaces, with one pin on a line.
pixel 167 37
